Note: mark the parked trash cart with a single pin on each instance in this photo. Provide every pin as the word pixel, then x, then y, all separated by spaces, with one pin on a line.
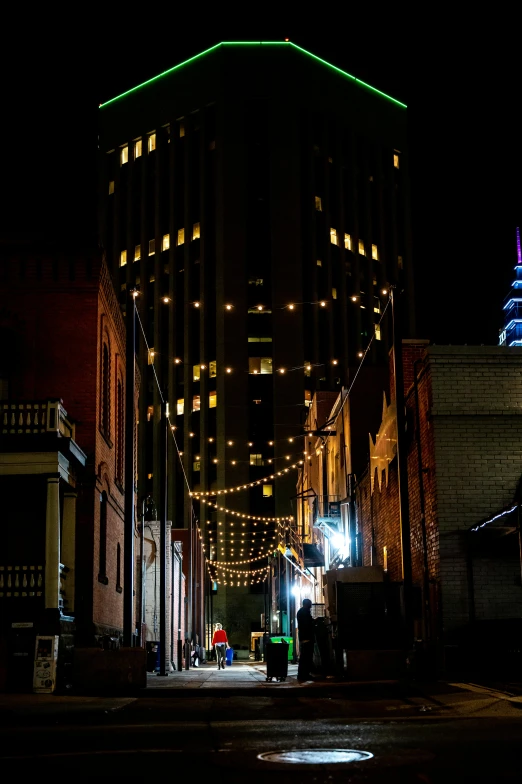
pixel 277 660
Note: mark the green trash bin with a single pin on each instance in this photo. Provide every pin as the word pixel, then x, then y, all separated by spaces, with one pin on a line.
pixel 289 642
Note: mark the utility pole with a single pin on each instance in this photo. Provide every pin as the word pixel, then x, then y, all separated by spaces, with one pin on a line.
pixel 128 531
pixel 163 425
pixel 402 466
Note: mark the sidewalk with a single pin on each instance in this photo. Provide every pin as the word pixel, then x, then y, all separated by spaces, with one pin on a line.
pixel 392 699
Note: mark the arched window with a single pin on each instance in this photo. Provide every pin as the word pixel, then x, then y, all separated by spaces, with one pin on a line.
pixel 120 433
pixel 106 391
pixel 102 568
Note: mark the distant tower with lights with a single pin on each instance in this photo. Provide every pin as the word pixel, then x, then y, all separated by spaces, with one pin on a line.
pixel 511 334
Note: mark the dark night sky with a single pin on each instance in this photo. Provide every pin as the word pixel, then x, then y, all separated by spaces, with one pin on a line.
pixel 461 81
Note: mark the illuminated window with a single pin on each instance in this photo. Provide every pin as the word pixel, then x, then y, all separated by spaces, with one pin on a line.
pixel 361 248
pixel 376 305
pixel 196 465
pixel 123 258
pixel 137 253
pixel 212 400
pixel 111 187
pixel 334 293
pixel 150 413
pixel 165 242
pixel 268 491
pixel 333 237
pixel 181 125
pixel 318 204
pixel 124 154
pixel 138 148
pixel 377 332
pixel 256 460
pixel 396 159
pixel 212 369
pixel 385 559
pixel 308 398
pixel 348 241
pixel 152 247
pixel 257 402
pixel 259 340
pixel 307 369
pixel 180 406
pixel 151 142
pixel 255 282
pixel 375 253
pixel 399 262
pixel 150 356
pixel 195 231
pixel 196 403
pixel 181 236
pixel 254 365
pixel 196 372
pixel 260 365
pixel 319 263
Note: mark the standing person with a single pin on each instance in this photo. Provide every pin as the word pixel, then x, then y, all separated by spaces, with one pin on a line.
pixel 220 643
pixel 306 629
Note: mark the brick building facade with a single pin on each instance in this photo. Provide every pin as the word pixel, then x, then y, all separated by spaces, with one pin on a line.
pixel 468 431
pixel 63 340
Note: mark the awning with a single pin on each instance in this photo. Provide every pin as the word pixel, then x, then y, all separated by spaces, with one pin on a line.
pixel 312 555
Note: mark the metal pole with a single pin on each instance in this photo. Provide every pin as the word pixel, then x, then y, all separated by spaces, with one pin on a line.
pixel 180 587
pixel 163 424
pixel 128 534
pixel 402 468
pixel 171 646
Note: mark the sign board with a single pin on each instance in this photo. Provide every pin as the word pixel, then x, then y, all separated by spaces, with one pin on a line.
pixel 45 660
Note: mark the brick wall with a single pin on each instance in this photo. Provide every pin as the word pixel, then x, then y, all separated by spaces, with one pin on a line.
pixel 470 406
pixel 56 309
pixel 477 423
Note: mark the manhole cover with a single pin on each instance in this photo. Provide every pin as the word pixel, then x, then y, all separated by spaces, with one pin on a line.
pixel 315 756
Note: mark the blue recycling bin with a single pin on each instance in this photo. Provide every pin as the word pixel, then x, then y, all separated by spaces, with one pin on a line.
pixel 230 656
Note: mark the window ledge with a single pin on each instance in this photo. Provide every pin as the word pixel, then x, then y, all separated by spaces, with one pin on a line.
pixel 106 438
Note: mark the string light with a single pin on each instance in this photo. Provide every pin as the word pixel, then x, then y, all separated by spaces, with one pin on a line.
pixel 199 493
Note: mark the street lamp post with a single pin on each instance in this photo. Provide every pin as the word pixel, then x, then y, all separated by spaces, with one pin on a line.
pixel 128 533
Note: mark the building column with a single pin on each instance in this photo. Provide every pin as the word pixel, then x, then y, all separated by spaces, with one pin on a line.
pixel 52 544
pixel 69 547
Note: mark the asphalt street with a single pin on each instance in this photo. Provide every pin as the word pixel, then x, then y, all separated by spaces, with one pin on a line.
pixel 228 732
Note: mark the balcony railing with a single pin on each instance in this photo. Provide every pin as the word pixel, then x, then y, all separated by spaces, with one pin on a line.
pixel 30 417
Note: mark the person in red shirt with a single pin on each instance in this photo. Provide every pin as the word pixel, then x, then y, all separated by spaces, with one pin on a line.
pixel 220 643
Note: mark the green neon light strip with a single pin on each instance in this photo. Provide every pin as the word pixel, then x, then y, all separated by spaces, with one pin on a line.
pixel 256 43
pixel 354 78
pixel 155 78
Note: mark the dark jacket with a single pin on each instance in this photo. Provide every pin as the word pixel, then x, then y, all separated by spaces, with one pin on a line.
pixel 306 624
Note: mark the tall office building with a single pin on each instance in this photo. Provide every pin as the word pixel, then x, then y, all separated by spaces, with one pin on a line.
pixel 258 199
